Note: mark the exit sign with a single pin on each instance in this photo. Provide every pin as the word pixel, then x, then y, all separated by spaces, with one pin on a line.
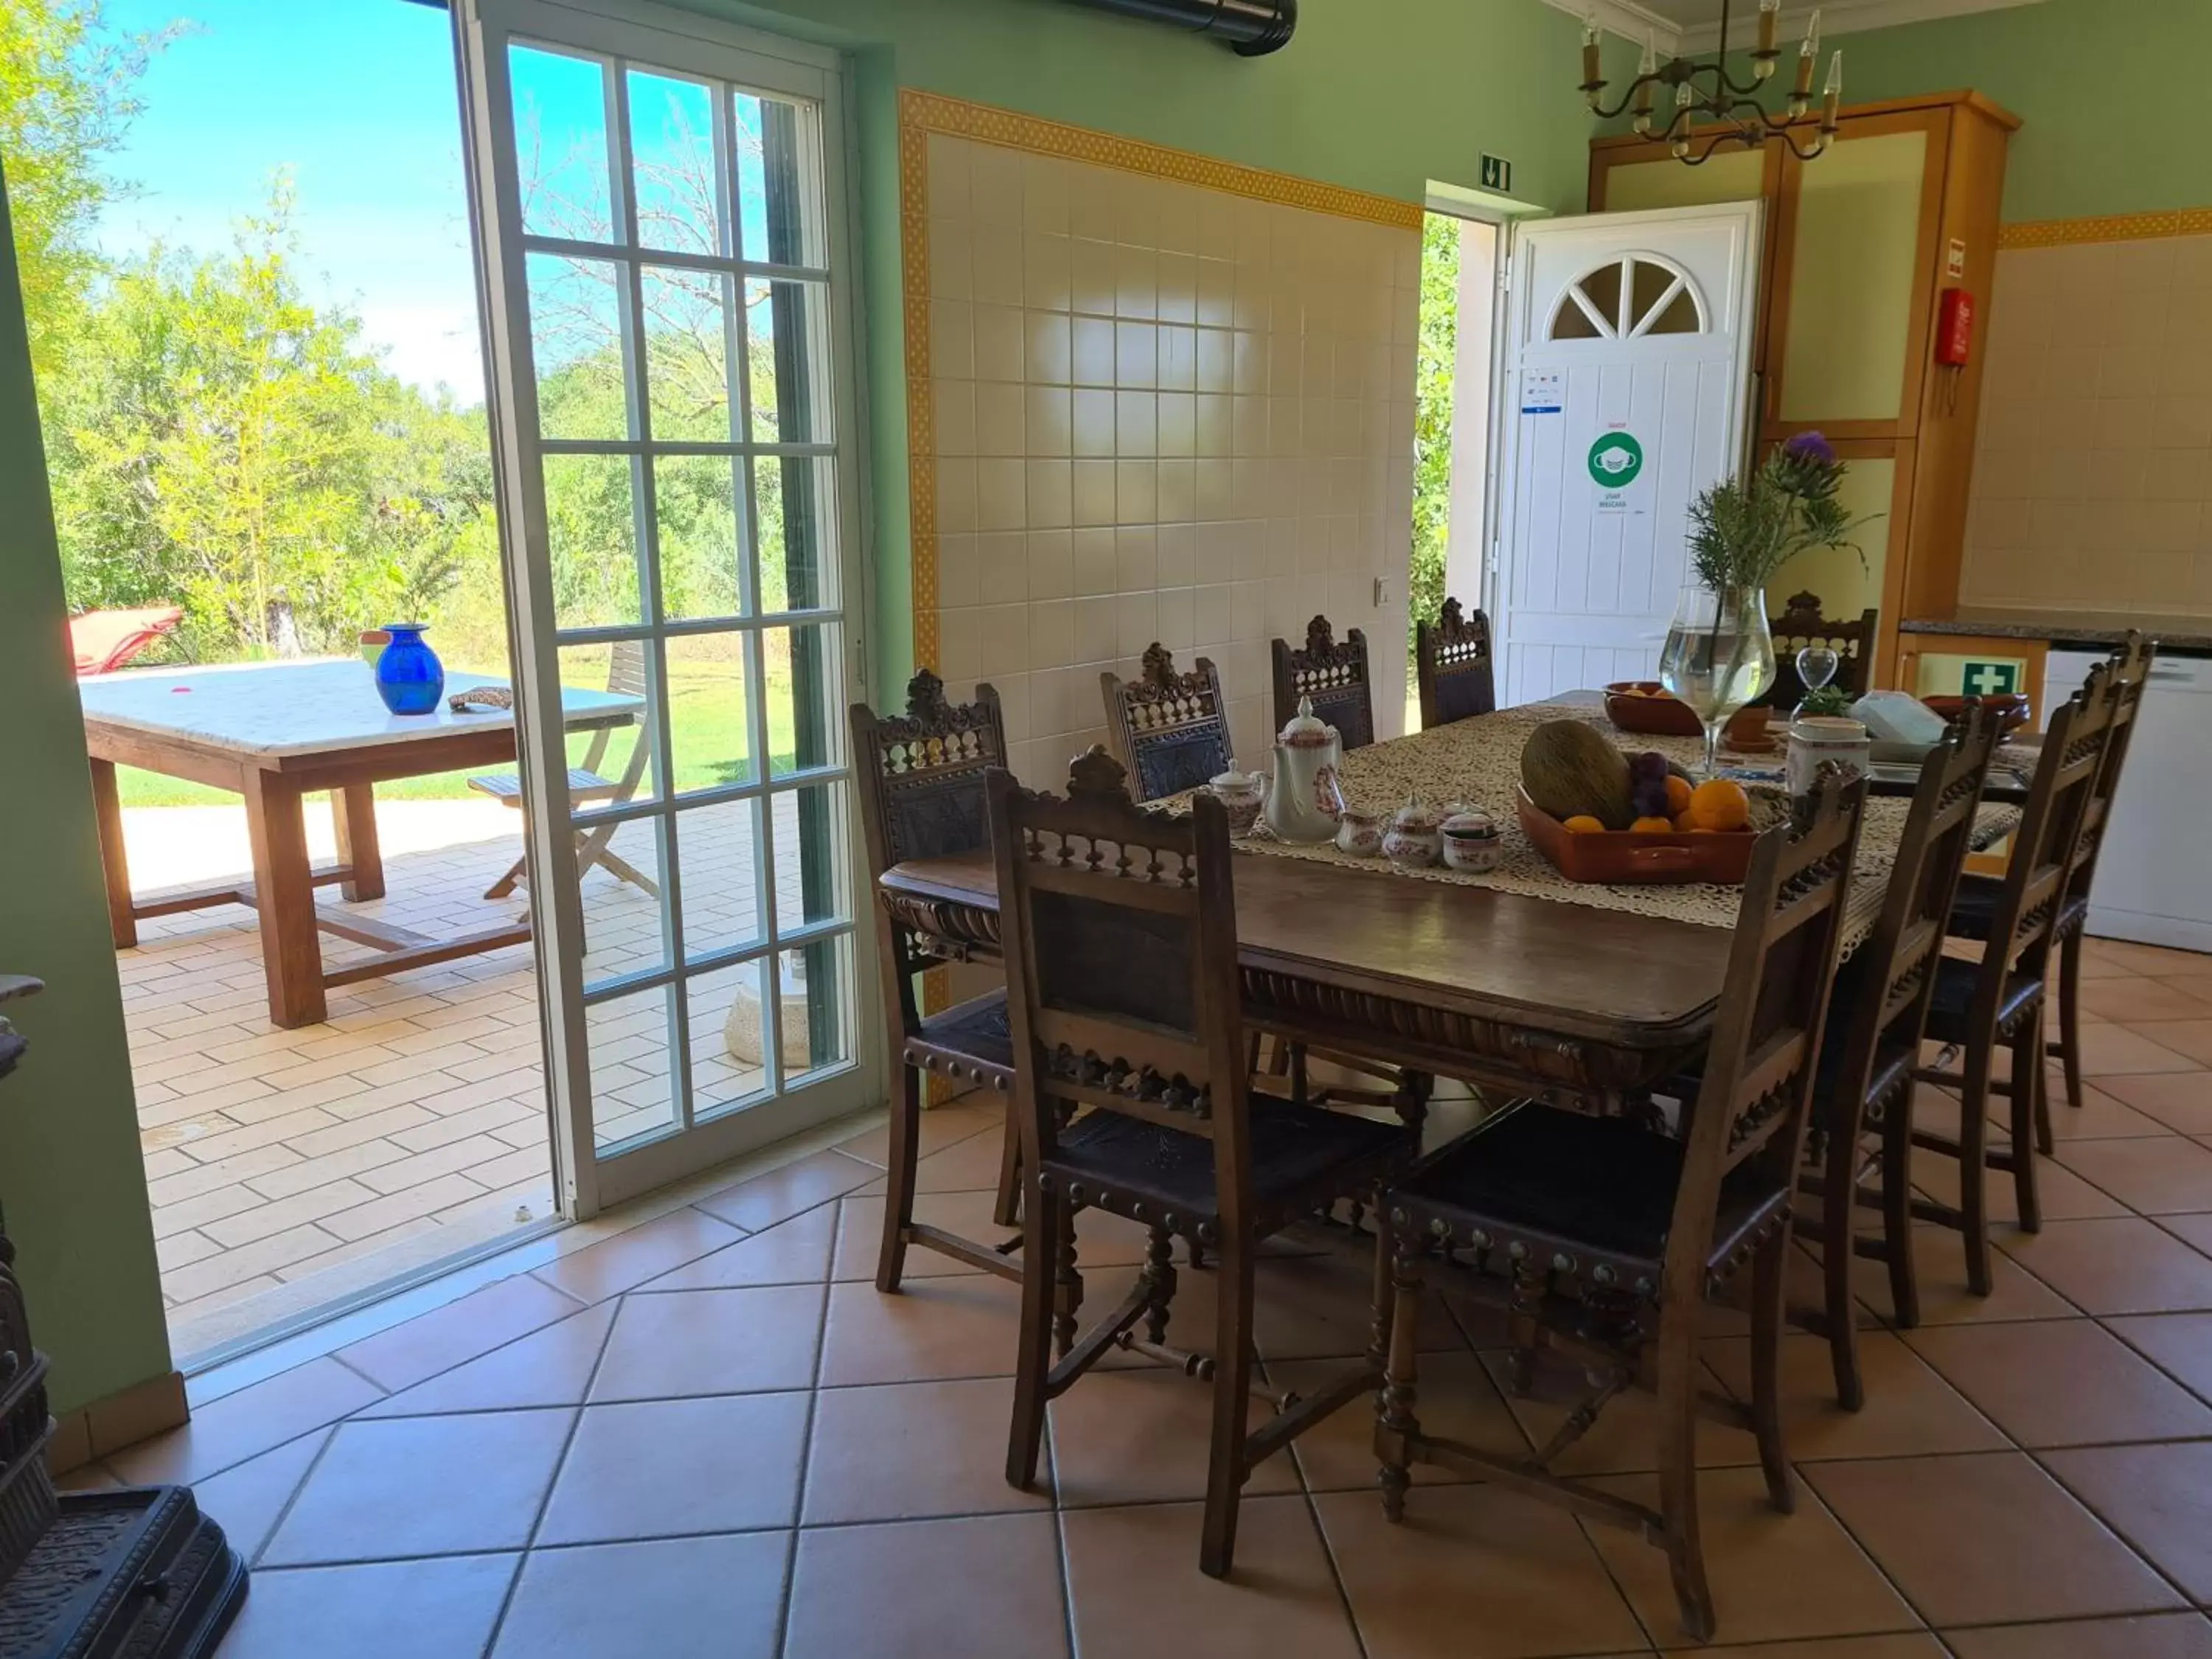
pixel 1497 173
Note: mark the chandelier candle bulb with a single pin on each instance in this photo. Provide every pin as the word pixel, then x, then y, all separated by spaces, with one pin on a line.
pixel 1832 94
pixel 1593 77
pixel 1769 13
pixel 1808 55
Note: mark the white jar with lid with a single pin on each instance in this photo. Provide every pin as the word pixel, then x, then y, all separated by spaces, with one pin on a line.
pixel 1817 737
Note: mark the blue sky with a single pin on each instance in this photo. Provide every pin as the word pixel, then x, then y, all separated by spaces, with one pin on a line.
pixel 356 98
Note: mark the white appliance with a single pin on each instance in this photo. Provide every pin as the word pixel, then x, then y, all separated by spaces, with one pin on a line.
pixel 2154 881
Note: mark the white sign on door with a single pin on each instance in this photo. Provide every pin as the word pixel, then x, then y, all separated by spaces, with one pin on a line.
pixel 1616 468
pixel 1543 392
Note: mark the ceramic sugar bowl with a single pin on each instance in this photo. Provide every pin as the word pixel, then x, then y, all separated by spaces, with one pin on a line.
pixel 1415 838
pixel 1471 841
pixel 1359 834
pixel 1239 794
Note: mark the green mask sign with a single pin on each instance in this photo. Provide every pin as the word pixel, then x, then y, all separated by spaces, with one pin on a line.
pixel 1614 460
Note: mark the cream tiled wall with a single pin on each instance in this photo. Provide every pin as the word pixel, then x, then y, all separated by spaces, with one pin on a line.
pixel 1161 412
pixel 2092 476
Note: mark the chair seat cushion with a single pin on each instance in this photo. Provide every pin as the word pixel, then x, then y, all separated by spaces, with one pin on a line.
pixel 1298 1152
pixel 1954 998
pixel 1598 1184
pixel 507 786
pixel 975 1031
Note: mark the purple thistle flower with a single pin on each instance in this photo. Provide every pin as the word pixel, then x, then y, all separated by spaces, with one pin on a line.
pixel 1810 447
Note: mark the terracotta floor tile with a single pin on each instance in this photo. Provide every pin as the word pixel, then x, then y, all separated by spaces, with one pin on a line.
pixel 983 1587
pixel 247 1501
pixel 679 1598
pixel 1774 1577
pixel 2061 1383
pixel 691 1342
pixel 1457 1398
pixel 794 1252
pixel 1901 1646
pixel 2179 1344
pixel 1909 1410
pixel 2112 1050
pixel 2170 1175
pixel 2102 1115
pixel 2154 1636
pixel 956 1122
pixel 1141 1436
pixel 446 1337
pixel 2157 1498
pixel 628 1259
pixel 2194 1231
pixel 2133 999
pixel 860 1224
pixel 390 1488
pixel 1323 1307
pixel 1980 1539
pixel 1624 1440
pixel 441 1609
pixel 2192 1038
pixel 1940 1268
pixel 246 1423
pixel 2180 1100
pixel 549 1367
pixel 912 1450
pixel 758 1204
pixel 670 1468
pixel 2156 960
pixel 2122 1266
pixel 1476 1571
pixel 2064 1195
pixel 1133 1574
pixel 966 1166
pixel 964 1326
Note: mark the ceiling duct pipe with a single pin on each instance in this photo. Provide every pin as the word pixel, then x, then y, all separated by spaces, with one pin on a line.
pixel 1252 27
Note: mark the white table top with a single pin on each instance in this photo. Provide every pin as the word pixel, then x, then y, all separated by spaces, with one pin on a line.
pixel 287 709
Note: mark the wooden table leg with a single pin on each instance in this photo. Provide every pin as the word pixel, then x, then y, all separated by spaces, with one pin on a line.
pixel 114 862
pixel 291 946
pixel 353 812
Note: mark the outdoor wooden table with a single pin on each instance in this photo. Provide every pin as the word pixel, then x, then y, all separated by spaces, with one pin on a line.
pixel 275 732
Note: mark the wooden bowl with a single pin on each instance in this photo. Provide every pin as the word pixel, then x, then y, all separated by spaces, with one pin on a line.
pixel 2010 708
pixel 1668 716
pixel 1622 855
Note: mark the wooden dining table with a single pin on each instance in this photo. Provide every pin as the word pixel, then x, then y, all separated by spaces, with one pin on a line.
pixel 275 732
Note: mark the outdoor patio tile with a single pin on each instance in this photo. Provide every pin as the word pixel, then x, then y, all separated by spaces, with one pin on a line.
pixel 682 1598
pixel 443 1609
pixel 205 1177
pixel 445 1337
pixel 762 1201
pixel 983 1587
pixel 234 1267
pixel 699 1342
pixel 454 1157
pixel 628 1259
pixel 225 1432
pixel 396 1208
pixel 794 1252
pixel 371 1496
pixel 910 1450
pixel 2063 1382
pixel 677 1467
pixel 2157 1498
pixel 275 1215
pixel 2153 1636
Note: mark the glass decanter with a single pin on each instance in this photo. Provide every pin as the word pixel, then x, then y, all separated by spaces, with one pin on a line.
pixel 1719 655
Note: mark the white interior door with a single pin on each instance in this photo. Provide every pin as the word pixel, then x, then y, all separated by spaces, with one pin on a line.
pixel 1626 375
pixel 662 236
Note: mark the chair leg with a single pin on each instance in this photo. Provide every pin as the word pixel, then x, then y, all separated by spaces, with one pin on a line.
pixel 2030 1119
pixel 508 883
pixel 1678 1470
pixel 622 869
pixel 1527 1293
pixel 1897 1210
pixel 1770 1276
pixel 899 1178
pixel 2069 1011
pixel 2043 1142
pixel 1973 1163
pixel 1068 1283
pixel 1159 1284
pixel 1232 1393
pixel 1007 1212
pixel 1838 1229
pixel 1041 1231
pixel 1394 1404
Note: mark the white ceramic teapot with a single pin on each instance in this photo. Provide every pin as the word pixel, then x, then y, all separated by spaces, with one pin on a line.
pixel 1305 802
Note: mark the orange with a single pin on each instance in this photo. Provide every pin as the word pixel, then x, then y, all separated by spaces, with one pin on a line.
pixel 1582 824
pixel 1719 804
pixel 1682 822
pixel 1678 795
pixel 1653 827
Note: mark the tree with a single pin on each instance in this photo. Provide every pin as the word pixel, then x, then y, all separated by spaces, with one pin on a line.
pixel 1434 374
pixel 67 95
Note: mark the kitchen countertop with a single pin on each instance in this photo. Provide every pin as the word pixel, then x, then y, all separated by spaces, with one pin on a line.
pixel 2069 627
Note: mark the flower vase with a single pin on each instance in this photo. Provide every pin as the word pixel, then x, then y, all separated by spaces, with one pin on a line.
pixel 409 676
pixel 1718 657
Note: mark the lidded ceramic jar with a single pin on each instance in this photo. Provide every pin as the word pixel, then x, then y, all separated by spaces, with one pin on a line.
pixel 1471 842
pixel 1414 840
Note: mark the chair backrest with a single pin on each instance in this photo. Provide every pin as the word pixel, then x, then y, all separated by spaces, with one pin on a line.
pixel 1894 972
pixel 1802 625
pixel 1119 927
pixel 1452 666
pixel 626 677
pixel 1774 1002
pixel 1332 676
pixel 2023 922
pixel 1169 731
pixel 2131 671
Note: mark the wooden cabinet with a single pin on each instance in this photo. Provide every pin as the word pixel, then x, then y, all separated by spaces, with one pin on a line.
pixel 1861 243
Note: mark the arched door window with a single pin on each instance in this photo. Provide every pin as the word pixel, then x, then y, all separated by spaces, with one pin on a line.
pixel 1626 298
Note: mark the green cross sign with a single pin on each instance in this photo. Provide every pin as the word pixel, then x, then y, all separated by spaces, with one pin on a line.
pixel 1988 679
pixel 1614 460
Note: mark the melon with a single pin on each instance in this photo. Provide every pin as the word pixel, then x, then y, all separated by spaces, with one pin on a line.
pixel 1571 769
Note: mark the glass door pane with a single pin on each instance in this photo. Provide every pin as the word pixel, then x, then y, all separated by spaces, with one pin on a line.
pixel 656 198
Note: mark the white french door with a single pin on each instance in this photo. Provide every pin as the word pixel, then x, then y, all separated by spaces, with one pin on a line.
pixel 1624 391
pixel 661 230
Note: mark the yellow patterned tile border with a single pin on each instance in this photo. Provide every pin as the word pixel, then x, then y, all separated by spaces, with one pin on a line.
pixel 922 114
pixel 2112 227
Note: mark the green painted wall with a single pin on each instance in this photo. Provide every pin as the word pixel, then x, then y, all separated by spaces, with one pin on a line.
pixel 70 1178
pixel 2099 86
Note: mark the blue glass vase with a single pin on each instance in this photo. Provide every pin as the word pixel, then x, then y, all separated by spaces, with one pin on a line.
pixel 409 676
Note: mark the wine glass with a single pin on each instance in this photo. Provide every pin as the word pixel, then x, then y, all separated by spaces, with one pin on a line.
pixel 1719 655
pixel 1817 664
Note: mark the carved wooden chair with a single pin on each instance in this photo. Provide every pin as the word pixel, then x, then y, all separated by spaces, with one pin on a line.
pixel 1802 625
pixel 1611 1235
pixel 1169 731
pixel 1334 677
pixel 1452 667
pixel 1977 1006
pixel 1863 1090
pixel 2130 673
pixel 921 785
pixel 587 786
pixel 1120 934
